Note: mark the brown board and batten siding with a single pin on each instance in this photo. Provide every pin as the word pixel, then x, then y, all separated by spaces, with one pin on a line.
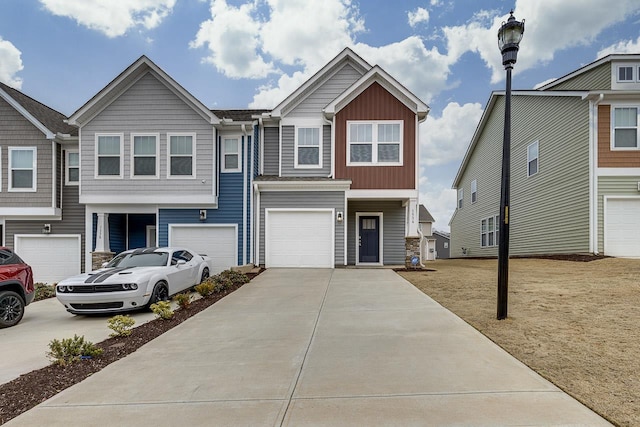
pixel 608 158
pixel 376 103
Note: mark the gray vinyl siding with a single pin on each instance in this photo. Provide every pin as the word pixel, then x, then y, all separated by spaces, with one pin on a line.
pixel 288 154
pixel 393 227
pixel 315 101
pixel 597 79
pixel 549 212
pixel 16 131
pixel 613 186
pixel 304 200
pixel 271 151
pixel 148 106
pixel 72 222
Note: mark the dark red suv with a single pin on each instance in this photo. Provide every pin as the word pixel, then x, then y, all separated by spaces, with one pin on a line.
pixel 16 287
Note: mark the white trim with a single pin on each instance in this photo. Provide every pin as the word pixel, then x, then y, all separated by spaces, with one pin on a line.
pixel 296 147
pixel 537 158
pixel 256 236
pixel 34 170
pixel 97 156
pixel 33 213
pixel 1 176
pixel 132 138
pixel 297 185
pixel 382 194
pixel 245 168
pixel 151 230
pixel 66 167
pixel 380 238
pixel 203 200
pixel 375 142
pixel 496 227
pixel 171 227
pixel 333 150
pixel 330 211
pixel 618 171
pixel 193 155
pixel 633 72
pixel 604 216
pixel 238 152
pixel 27 115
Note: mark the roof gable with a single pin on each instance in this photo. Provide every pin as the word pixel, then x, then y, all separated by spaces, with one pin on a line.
pixel 325 73
pixel 589 67
pixel 125 80
pixel 49 121
pixel 424 215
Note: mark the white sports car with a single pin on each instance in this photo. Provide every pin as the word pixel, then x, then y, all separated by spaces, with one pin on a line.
pixel 134 279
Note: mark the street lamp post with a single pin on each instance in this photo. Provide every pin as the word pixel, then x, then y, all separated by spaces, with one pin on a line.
pixel 509 37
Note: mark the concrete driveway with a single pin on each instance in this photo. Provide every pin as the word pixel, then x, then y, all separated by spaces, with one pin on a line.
pixel 24 346
pixel 317 347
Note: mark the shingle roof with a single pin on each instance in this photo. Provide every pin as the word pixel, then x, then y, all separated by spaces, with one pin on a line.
pixel 237 115
pixel 274 178
pixel 424 215
pixel 50 118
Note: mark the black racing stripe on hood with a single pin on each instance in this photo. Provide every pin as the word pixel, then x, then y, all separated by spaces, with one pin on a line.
pixel 101 277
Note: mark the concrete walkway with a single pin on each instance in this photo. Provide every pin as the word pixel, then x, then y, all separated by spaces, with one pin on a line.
pixel 317 347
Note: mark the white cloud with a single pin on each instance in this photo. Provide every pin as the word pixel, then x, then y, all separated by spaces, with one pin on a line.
pixel 417 16
pixel 445 139
pixel 228 29
pixel 112 17
pixel 624 46
pixel 10 64
pixel 439 200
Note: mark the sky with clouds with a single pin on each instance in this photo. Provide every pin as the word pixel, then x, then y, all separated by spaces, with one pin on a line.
pixel 253 53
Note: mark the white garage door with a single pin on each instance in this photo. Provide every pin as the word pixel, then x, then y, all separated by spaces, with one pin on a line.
pixel 52 257
pixel 622 228
pixel 220 242
pixel 299 238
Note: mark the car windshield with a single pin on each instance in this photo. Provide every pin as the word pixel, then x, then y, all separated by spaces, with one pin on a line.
pixel 132 259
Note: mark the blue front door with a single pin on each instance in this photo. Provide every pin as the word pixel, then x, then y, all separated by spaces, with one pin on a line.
pixel 369 239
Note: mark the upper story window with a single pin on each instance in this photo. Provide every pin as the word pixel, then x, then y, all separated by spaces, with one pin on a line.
pixel 625 128
pixel 72 175
pixel 109 155
pixel 145 156
pixel 460 197
pixel 625 74
pixel 532 159
pixel 181 157
pixel 22 168
pixel 374 143
pixel 231 159
pixel 474 191
pixel 308 147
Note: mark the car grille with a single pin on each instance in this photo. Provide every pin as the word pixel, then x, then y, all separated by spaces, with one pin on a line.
pixel 95 288
pixel 98 305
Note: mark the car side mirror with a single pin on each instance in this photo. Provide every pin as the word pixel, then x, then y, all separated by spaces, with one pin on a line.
pixel 180 262
pixel 104 264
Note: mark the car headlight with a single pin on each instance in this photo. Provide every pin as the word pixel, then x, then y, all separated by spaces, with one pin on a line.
pixel 62 289
pixel 129 286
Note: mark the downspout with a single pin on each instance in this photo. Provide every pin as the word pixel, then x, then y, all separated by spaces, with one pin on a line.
pixel 593 171
pixel 244 195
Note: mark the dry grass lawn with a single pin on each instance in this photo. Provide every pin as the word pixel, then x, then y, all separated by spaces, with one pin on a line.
pixel 575 323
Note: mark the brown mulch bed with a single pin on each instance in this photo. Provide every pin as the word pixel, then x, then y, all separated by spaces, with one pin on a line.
pixel 31 389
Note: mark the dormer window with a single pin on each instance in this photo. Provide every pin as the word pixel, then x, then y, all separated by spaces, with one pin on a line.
pixel 625 73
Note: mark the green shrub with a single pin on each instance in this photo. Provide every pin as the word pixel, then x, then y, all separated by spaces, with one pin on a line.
pixel 205 288
pixel 183 300
pixel 162 310
pixel 236 277
pixel 44 291
pixel 121 325
pixel 68 350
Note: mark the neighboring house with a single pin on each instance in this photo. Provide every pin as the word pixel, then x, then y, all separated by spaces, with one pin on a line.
pixel 40 217
pixel 442 244
pixel 157 167
pixel 338 180
pixel 575 167
pixel 428 242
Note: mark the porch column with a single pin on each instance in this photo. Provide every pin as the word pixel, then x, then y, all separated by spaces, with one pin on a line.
pixel 102 233
pixel 412 236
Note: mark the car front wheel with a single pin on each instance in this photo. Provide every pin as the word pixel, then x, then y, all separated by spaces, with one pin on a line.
pixel 11 309
pixel 205 275
pixel 160 293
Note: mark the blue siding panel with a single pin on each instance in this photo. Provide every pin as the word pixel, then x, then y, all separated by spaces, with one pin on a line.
pixel 117 232
pixel 138 229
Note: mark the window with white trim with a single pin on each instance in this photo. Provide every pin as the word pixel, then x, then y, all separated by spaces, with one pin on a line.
pixel 308 147
pixel 489 230
pixel 22 168
pixel 181 158
pixel 474 191
pixel 625 128
pixel 144 152
pixel 374 143
pixel 109 155
pixel 231 157
pixel 625 73
pixel 72 167
pixel 532 159
pixel 460 197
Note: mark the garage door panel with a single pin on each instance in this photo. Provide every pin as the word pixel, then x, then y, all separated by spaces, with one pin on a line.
pixel 622 228
pixel 218 242
pixel 51 257
pixel 299 239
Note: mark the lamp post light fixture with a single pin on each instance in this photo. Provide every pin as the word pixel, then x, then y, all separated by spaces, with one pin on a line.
pixel 509 37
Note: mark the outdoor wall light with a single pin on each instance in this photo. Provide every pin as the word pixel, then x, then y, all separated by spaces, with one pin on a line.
pixel 203 214
pixel 46 229
pixel 339 217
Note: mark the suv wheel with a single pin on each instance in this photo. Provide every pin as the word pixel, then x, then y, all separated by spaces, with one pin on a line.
pixel 11 308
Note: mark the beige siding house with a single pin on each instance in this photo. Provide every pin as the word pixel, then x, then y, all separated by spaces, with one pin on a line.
pixel 575 168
